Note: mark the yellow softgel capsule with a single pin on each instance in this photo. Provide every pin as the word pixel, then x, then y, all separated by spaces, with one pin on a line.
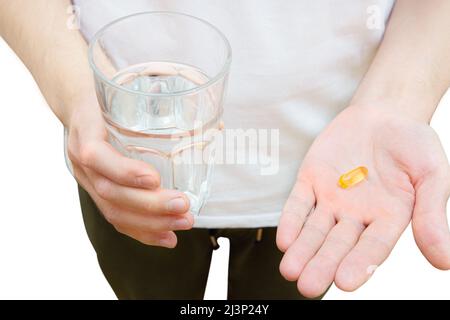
pixel 353 177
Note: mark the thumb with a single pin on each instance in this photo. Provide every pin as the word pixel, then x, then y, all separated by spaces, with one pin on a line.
pixel 429 221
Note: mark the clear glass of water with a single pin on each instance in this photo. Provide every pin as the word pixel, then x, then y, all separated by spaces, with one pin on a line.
pixel 160 79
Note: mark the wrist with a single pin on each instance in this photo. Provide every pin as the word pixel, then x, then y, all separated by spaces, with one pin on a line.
pixel 75 100
pixel 80 109
pixel 417 101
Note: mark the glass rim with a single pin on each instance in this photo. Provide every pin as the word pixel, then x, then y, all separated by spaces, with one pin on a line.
pixel 221 74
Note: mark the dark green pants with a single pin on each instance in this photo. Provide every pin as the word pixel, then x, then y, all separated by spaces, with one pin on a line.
pixel 137 271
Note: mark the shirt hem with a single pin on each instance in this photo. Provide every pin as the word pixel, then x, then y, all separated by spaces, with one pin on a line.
pixel 237 221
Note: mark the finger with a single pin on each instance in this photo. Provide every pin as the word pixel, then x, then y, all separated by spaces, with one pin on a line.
pixel 157 201
pixel 311 237
pixel 295 211
pixel 319 273
pixel 374 246
pixel 81 178
pixel 166 239
pixel 429 222
pixel 108 162
pixel 150 223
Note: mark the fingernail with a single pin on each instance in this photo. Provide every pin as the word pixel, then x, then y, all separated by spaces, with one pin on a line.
pixel 177 205
pixel 181 224
pixel 147 181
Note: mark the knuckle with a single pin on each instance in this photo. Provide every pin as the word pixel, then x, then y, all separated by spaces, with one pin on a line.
pixel 113 217
pixel 153 205
pixel 152 179
pixel 87 154
pixel 142 173
pixel 72 148
pixel 103 188
pixel 119 229
pixel 127 170
pixel 78 174
pixel 71 153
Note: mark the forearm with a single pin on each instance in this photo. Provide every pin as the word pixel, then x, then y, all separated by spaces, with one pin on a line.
pixel 411 70
pixel 56 56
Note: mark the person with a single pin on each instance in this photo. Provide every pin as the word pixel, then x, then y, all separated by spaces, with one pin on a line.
pixel 347 84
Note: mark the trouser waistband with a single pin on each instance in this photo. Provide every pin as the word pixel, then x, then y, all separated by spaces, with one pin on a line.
pixel 214 234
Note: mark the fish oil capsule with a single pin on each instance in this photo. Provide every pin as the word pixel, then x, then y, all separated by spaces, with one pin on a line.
pixel 353 177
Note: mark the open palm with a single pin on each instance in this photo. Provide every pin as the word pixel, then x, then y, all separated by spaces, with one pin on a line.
pixel 333 234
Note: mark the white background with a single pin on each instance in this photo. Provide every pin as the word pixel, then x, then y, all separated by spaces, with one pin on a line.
pixel 44 250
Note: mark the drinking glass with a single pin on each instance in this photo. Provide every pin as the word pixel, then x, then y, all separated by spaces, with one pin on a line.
pixel 160 79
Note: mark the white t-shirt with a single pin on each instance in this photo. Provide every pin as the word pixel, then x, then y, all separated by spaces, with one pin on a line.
pixel 296 64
